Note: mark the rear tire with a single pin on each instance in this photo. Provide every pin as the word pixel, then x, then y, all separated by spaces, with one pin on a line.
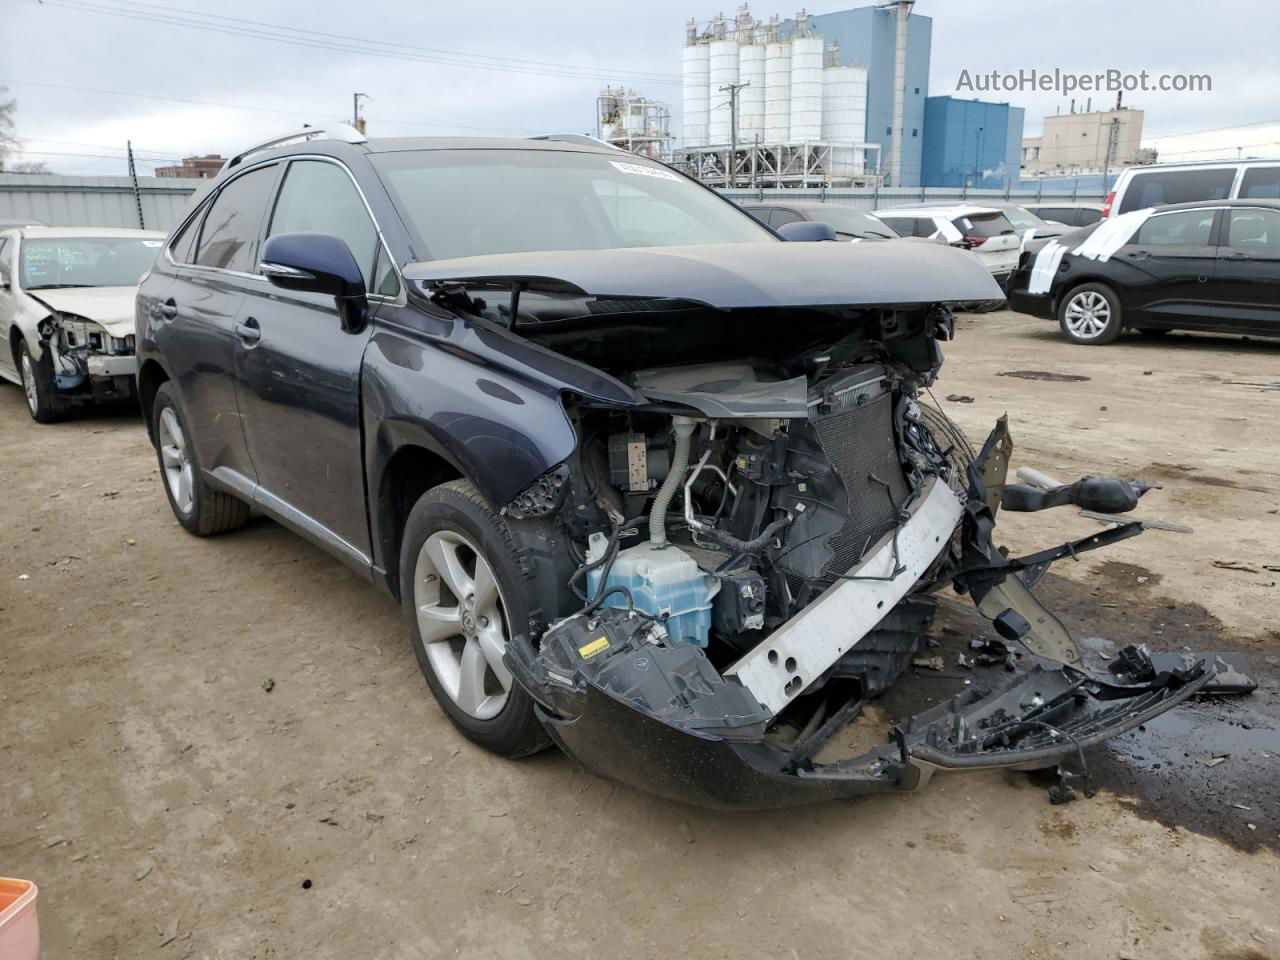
pixel 465 596
pixel 1090 315
pixel 200 509
pixel 43 401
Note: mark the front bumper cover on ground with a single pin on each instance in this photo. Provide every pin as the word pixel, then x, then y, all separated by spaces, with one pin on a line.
pixel 662 719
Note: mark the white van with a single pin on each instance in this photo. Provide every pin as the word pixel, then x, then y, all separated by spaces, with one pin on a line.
pixel 1161 183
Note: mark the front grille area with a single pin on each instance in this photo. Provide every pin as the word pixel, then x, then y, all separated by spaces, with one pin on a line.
pixel 859 444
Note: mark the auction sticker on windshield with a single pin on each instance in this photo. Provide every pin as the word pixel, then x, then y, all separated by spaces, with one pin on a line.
pixel 644 171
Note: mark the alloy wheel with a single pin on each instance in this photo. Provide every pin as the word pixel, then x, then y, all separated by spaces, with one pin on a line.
pixel 1088 314
pixel 178 469
pixel 462 621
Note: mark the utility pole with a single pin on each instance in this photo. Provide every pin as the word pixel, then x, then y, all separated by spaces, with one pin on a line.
pixel 357 121
pixel 901 10
pixel 733 89
pixel 133 177
pixel 1113 140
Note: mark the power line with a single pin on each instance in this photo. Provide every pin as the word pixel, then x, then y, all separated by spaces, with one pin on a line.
pixel 312 114
pixel 356 46
pixel 453 55
pixel 1192 133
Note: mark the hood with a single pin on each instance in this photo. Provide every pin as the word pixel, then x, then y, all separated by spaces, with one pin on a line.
pixel 737 275
pixel 112 307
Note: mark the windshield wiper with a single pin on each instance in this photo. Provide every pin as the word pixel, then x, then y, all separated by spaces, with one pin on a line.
pixel 61 286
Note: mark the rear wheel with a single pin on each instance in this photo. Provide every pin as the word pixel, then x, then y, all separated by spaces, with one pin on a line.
pixel 43 402
pixel 1090 314
pixel 199 508
pixel 465 598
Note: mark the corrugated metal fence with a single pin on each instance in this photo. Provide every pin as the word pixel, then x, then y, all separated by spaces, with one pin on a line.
pixel 94 201
pixel 109 202
pixel 875 198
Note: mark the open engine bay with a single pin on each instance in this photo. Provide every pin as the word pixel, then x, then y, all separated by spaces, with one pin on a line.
pixel 757 549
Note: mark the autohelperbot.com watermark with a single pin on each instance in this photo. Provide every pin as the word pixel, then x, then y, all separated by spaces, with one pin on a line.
pixel 1066 82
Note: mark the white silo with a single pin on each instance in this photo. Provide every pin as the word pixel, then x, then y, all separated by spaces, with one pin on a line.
pixel 777 92
pixel 844 104
pixel 695 69
pixel 751 108
pixel 806 89
pixel 723 72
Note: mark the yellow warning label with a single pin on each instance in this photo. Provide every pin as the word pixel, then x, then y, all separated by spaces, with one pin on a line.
pixel 589 650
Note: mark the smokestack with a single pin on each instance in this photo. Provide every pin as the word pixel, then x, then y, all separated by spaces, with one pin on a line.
pixel 1088 105
pixel 1073 104
pixel 902 10
pixel 1119 98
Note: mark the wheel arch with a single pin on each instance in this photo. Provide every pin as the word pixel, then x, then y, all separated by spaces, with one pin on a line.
pixel 412 469
pixel 151 376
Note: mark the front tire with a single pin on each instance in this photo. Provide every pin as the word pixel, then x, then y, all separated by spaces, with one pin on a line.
pixel 1090 314
pixel 200 509
pixel 465 597
pixel 43 402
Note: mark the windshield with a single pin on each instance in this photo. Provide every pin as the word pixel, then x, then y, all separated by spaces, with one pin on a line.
pixel 853 223
pixel 464 203
pixel 50 263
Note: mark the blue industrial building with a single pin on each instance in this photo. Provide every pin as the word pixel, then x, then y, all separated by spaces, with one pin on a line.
pixel 969 143
pixel 865 36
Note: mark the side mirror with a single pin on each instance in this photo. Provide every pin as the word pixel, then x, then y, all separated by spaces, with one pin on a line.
pixel 318 263
pixel 807 231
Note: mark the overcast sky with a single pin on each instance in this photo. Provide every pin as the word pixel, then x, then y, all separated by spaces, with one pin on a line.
pixel 87 80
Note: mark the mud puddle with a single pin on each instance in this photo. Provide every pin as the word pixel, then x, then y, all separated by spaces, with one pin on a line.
pixel 1171 770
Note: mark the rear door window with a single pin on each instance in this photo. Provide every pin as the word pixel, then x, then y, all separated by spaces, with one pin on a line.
pixel 183 247
pixel 1254 231
pixel 319 197
pixel 229 237
pixel 5 273
pixel 1187 228
pixel 907 226
pixel 1260 182
pixel 1159 187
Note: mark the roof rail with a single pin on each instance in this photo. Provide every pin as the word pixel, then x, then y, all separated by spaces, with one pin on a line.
pixel 343 132
pixel 579 138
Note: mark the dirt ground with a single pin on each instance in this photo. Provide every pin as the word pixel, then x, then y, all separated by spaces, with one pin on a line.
pixel 170 805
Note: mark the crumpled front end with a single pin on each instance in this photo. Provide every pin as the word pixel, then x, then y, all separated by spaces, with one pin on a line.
pixel 758 730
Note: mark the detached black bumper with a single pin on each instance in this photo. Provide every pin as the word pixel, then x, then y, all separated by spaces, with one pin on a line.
pixel 1041 718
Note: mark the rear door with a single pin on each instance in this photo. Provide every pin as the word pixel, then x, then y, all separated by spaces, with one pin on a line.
pixel 193 320
pixel 1172 259
pixel 299 371
pixel 1246 280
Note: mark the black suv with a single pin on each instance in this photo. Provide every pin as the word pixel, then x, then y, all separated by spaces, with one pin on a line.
pixel 648 481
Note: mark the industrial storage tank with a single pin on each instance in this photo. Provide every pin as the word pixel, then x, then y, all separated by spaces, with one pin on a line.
pixel 777 92
pixel 751 120
pixel 844 104
pixel 806 89
pixel 723 71
pixel 697 104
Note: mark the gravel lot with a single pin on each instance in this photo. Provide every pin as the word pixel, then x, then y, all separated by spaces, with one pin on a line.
pixel 168 804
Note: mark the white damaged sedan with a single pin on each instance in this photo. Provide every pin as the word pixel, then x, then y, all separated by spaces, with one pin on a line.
pixel 67 311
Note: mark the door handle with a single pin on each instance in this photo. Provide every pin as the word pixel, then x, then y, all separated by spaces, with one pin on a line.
pixel 168 309
pixel 1236 255
pixel 248 330
pixel 1139 255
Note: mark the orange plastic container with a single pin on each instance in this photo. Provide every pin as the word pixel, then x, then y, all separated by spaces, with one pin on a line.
pixel 19 931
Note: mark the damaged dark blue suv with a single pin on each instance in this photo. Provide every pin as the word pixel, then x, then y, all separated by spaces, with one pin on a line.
pixel 649 482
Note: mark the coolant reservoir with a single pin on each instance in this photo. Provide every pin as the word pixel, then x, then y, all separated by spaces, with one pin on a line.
pixel 667 583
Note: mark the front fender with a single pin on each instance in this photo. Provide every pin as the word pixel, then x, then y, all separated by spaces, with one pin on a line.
pixel 499 431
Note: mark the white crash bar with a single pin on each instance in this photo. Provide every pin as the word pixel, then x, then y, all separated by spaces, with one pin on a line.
pixel 804 647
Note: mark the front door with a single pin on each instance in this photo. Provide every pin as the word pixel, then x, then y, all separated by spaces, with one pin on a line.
pixel 1246 280
pixel 299 373
pixel 1172 257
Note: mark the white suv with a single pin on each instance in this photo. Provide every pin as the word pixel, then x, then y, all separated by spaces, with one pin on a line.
pixel 1159 184
pixel 984 231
